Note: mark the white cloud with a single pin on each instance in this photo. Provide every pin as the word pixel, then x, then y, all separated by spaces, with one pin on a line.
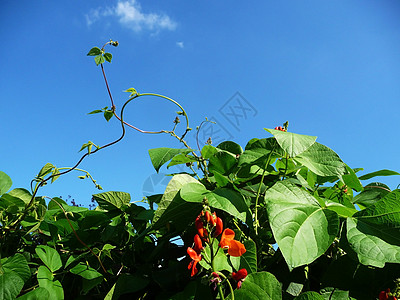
pixel 180 44
pixel 129 14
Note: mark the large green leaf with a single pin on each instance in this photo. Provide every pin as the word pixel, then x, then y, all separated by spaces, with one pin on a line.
pixel 261 285
pixel 5 183
pixel 14 271
pixel 364 239
pixel 222 162
pixel 112 200
pixel 248 260
pixel 302 229
pixel 224 199
pixel 372 193
pixel 19 194
pixel 292 143
pixel 258 151
pixel 46 280
pixel 126 284
pixel 172 189
pixel 321 160
pixel 231 147
pixel 17 264
pixel 378 173
pixel 85 271
pixel 351 180
pixel 37 294
pixel 50 257
pixel 160 156
pixel 309 296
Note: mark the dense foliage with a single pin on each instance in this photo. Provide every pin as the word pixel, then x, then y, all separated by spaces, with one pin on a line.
pixel 283 218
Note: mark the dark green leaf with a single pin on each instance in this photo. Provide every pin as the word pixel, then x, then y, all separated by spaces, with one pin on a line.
pixel 16 264
pixel 248 260
pixel 94 51
pixel 309 296
pixel 230 147
pixel 108 114
pixel 85 271
pixel 108 57
pixel 372 192
pixel 126 284
pixel 378 173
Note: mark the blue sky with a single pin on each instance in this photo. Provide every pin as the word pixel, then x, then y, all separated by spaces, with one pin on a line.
pixel 332 68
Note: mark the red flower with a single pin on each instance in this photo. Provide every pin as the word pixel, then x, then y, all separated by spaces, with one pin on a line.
pixel 235 248
pixel 219 227
pixel 239 276
pixel 198 245
pixel 195 259
pixel 384 295
pixel 200 227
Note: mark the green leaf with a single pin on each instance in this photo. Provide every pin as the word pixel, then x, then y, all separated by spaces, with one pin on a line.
pixel 5 183
pixel 126 284
pixel 221 262
pixel 94 51
pixel 321 160
pixel 97 111
pixel 340 209
pixel 160 156
pixel 309 296
pixel 230 147
pixel 132 91
pixel 50 257
pixel 225 199
pixel 108 114
pixel 46 280
pixel 248 260
pixel 85 271
pixel 222 162
pixel 10 285
pixel 45 170
pixel 351 180
pixel 99 59
pixel 292 143
pixel 171 205
pixel 112 200
pixel 55 174
pixel 378 173
pixel 372 193
pixel 257 151
pixel 16 264
pixel 364 239
pixel 302 229
pixel 108 57
pixel 334 294
pixel 181 159
pixel 261 285
pixel 37 294
pixel 19 194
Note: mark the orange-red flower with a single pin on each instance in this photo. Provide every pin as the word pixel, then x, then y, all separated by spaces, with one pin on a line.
pixel 198 245
pixel 235 248
pixel 239 276
pixel 195 259
pixel 200 227
pixel 218 227
pixel 384 295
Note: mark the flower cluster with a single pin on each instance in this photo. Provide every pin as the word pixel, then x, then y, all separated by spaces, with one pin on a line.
pixel 209 227
pixel 280 128
pixel 386 295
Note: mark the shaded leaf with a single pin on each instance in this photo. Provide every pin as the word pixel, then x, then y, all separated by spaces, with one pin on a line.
pixel 160 156
pixel 112 200
pixel 94 51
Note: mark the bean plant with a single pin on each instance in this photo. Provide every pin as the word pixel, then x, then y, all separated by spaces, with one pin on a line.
pixel 282 218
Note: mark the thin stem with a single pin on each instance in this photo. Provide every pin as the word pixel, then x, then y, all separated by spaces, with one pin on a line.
pixel 77 237
pixel 259 191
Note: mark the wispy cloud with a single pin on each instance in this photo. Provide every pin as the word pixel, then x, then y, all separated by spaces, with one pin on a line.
pixel 129 13
pixel 180 44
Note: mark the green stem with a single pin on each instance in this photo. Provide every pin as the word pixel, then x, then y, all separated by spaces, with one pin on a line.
pixel 259 191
